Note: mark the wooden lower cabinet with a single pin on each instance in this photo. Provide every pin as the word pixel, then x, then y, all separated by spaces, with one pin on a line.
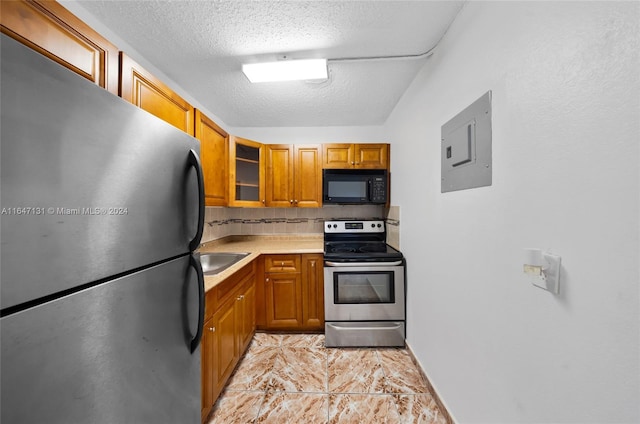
pixel 313 291
pixel 226 334
pixel 206 350
pixel 293 293
pixel 225 346
pixel 283 300
pixel 247 317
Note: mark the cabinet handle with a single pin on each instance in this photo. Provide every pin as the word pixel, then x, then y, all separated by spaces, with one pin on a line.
pixel 212 329
pixel 291 201
pixel 239 298
pixel 267 280
pixel 353 163
pixel 313 264
pixel 263 201
pixel 295 201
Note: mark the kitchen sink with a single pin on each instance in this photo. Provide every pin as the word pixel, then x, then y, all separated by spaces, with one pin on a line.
pixel 216 262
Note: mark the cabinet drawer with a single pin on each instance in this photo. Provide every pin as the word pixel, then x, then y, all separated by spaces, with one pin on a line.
pixel 282 263
pixel 226 289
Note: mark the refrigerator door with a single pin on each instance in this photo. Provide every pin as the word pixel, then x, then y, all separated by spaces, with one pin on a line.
pixel 115 353
pixel 92 186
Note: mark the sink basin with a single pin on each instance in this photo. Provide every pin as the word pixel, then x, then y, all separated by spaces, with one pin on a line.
pixel 216 262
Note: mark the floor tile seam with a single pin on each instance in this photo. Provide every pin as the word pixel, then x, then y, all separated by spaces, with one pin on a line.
pixel 328 401
pixel 316 392
pixel 263 404
pixel 326 371
pixel 230 390
pixel 386 384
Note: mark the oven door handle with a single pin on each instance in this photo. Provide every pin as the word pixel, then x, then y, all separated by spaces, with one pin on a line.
pixel 340 328
pixel 371 264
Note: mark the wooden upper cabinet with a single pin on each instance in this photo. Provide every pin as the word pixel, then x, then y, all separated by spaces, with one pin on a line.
pixel 294 175
pixel 308 176
pixel 279 175
pixel 246 173
pixel 356 156
pixel 141 88
pixel 52 30
pixel 214 152
pixel 338 156
pixel 371 156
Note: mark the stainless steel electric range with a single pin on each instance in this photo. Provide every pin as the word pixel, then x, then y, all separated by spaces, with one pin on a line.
pixel 364 286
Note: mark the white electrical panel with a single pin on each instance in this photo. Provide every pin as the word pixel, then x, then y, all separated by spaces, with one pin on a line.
pixel 466 147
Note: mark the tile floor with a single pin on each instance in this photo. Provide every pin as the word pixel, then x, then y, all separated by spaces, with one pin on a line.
pixel 293 378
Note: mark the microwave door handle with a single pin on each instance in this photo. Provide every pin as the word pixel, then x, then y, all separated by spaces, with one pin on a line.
pixel 368 189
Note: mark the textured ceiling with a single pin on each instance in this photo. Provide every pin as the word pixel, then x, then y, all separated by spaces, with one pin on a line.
pixel 201 45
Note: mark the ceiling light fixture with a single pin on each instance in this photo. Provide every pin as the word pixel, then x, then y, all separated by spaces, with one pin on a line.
pixel 287 70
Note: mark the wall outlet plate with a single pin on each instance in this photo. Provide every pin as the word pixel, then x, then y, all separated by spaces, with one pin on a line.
pixel 549 279
pixel 551 270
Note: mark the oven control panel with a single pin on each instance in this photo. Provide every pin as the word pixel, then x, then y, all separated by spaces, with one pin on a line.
pixel 374 226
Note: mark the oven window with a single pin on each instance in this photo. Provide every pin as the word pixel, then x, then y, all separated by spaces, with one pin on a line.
pixel 363 287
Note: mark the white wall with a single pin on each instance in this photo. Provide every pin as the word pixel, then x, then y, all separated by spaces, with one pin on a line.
pixel 566 112
pixel 312 135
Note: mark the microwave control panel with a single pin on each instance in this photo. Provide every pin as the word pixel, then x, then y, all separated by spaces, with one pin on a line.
pixel 379 190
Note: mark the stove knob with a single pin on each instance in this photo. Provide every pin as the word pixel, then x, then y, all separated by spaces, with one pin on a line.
pixel 328 225
pixel 373 225
pixel 379 225
pixel 335 225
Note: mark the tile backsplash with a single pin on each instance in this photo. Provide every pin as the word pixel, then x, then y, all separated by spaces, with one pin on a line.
pixel 393 227
pixel 221 222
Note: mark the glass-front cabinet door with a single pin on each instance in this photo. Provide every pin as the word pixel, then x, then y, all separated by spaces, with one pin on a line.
pixel 246 173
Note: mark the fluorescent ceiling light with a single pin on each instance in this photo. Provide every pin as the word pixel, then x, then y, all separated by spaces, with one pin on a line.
pixel 286 70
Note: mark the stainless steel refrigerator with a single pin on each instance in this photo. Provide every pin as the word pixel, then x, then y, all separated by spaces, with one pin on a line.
pixel 101 298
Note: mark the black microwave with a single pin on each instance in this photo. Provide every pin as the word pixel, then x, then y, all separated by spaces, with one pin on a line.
pixel 354 186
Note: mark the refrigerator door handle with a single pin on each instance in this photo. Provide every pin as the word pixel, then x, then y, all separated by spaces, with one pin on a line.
pixel 194 161
pixel 195 264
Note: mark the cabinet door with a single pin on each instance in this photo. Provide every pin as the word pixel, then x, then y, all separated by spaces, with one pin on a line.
pixel 208 383
pixel 141 88
pixel 307 176
pixel 279 175
pixel 52 30
pixel 371 156
pixel 283 300
pixel 214 151
pixel 225 352
pixel 312 291
pixel 337 156
pixel 247 323
pixel 246 173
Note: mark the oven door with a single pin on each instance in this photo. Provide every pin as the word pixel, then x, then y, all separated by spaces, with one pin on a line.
pixel 364 292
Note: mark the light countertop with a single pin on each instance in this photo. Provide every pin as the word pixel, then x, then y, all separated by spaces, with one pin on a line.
pixel 256 246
